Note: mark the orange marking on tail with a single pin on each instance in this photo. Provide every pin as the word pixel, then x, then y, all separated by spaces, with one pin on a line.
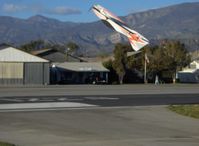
pixel 135 37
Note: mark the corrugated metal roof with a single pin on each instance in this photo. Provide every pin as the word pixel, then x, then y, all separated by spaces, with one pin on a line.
pixel 11 54
pixel 56 56
pixel 82 66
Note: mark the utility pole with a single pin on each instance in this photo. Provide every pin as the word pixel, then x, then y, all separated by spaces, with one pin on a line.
pixel 146 60
pixel 145 67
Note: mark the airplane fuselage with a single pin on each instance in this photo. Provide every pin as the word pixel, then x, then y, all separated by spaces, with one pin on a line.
pixel 136 40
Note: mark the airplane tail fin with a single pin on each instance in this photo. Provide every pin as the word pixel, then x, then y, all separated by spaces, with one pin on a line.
pixel 137 41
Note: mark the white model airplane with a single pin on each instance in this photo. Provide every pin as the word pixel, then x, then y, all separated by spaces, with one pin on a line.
pixel 136 40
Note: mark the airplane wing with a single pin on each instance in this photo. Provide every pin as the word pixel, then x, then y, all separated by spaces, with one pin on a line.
pixel 111 15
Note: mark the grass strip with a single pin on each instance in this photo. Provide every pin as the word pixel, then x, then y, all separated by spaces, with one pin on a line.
pixel 6 144
pixel 187 110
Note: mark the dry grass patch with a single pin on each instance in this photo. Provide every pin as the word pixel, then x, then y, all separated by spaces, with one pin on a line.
pixel 187 110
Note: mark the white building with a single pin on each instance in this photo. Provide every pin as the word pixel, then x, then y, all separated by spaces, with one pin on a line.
pixel 190 74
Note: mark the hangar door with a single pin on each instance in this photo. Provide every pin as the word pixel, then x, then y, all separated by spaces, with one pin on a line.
pixel 36 73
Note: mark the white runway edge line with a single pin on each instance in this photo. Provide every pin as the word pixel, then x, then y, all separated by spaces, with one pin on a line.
pixel 44 105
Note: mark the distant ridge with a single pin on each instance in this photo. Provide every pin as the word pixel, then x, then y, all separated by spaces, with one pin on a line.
pixel 173 22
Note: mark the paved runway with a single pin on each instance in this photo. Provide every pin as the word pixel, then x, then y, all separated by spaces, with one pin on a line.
pixel 43 102
pixel 34 97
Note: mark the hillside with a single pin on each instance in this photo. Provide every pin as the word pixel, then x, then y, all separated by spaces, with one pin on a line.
pixel 172 22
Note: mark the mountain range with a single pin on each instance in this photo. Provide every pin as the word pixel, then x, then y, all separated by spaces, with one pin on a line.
pixel 179 22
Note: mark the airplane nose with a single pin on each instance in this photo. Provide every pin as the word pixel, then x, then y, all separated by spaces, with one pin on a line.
pixel 94 6
pixel 91 8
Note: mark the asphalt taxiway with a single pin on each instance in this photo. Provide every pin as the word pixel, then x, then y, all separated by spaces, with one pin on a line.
pixel 56 102
pixel 124 126
pixel 34 97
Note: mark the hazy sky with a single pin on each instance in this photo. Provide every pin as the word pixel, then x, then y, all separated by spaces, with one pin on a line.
pixel 78 10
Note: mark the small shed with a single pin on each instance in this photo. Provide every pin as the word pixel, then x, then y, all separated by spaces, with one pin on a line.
pixel 21 68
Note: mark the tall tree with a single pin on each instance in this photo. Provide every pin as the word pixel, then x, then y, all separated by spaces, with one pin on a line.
pixel 176 56
pixel 113 77
pixel 169 56
pixel 119 64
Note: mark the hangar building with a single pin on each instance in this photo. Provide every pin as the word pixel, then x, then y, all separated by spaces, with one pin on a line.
pixel 79 73
pixel 20 68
